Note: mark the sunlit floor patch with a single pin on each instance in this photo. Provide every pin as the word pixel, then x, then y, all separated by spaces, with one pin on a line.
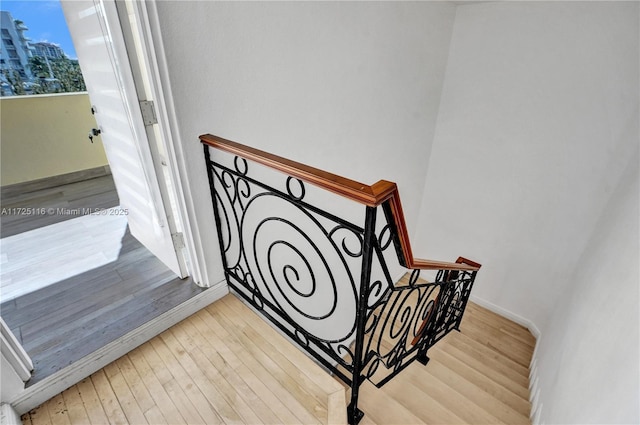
pixel 38 258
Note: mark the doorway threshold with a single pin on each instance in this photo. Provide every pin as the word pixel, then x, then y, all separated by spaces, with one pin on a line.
pixel 41 391
pixel 62 322
pixel 80 290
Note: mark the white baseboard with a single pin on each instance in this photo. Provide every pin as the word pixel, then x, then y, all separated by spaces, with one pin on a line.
pixel 508 314
pixel 54 181
pixel 42 391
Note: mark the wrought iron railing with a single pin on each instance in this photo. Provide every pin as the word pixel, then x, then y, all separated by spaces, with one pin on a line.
pixel 325 280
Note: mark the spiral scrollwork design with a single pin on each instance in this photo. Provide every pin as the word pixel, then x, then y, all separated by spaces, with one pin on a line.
pixel 295 261
pixel 229 225
pixel 385 238
pixel 393 326
pixel 297 267
pixel 241 165
pixel 350 241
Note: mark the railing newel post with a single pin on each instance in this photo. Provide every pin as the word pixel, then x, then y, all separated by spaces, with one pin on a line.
pixel 354 414
pixel 216 213
pixel 466 294
pixel 422 357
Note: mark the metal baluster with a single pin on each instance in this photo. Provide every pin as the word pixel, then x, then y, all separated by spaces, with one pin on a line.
pixel 354 414
pixel 216 213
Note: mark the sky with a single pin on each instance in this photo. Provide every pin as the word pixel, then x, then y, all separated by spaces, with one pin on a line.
pixel 45 21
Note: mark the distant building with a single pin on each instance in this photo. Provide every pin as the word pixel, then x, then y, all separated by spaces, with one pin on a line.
pixel 15 50
pixel 47 50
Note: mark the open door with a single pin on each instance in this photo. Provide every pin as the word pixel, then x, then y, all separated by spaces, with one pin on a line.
pixel 16 364
pixel 108 77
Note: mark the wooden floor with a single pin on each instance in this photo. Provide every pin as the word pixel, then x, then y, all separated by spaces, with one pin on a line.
pixel 479 375
pixel 37 258
pixel 221 365
pixel 224 365
pixel 92 194
pixel 78 283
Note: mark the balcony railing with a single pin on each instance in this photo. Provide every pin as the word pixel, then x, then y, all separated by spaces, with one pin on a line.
pixel 296 246
pixel 45 136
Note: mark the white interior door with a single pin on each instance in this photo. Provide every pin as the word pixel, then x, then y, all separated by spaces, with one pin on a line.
pixel 16 364
pixel 102 55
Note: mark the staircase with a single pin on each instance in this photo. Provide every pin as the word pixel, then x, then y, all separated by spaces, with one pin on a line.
pixel 293 249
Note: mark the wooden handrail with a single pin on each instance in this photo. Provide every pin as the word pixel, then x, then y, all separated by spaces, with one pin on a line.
pixel 372 196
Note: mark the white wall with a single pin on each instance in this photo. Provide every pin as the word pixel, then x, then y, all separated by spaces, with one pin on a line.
pixel 589 356
pixel 539 113
pixel 537 125
pixel 351 87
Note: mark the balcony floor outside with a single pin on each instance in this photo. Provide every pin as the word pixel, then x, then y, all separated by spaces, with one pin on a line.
pixel 73 284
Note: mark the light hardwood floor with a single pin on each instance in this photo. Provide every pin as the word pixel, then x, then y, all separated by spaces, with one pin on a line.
pixel 221 365
pixel 224 364
pixel 479 375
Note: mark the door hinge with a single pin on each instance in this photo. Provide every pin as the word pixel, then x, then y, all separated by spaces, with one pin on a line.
pixel 178 240
pixel 148 112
